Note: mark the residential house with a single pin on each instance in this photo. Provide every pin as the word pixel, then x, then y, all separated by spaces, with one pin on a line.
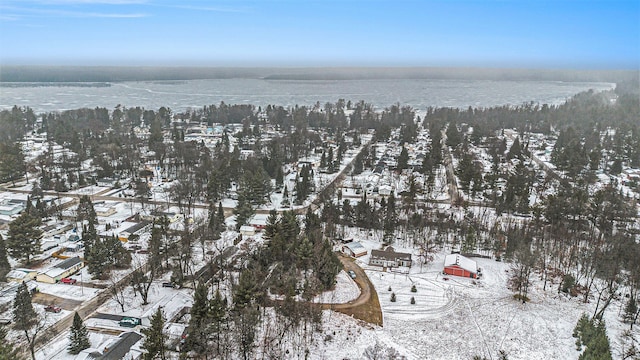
pixel 61 270
pixel 389 258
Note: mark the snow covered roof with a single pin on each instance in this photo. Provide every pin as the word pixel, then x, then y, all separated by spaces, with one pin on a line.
pixel 122 346
pixel 171 304
pixel 461 261
pixel 17 274
pixel 355 247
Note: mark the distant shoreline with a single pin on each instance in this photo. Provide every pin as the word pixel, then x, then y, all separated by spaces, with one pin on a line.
pixel 102 75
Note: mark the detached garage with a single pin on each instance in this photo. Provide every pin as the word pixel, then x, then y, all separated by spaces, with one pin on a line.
pixel 354 249
pixel 458 265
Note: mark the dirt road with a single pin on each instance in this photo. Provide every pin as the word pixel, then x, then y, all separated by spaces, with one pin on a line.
pixel 365 307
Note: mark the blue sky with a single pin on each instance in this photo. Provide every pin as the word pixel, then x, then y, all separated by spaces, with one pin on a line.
pixel 491 33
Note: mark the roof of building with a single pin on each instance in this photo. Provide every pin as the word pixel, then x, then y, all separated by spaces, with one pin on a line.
pixel 461 261
pixel 121 347
pixel 68 263
pixel 138 226
pixel 247 228
pixel 355 247
pixel 16 274
pixel 390 254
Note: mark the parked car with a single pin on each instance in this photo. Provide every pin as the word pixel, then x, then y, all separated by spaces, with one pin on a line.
pixel 352 274
pixel 52 308
pixel 129 322
pixel 168 284
pixel 68 281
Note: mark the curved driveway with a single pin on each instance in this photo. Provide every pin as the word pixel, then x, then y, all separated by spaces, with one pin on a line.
pixel 365 307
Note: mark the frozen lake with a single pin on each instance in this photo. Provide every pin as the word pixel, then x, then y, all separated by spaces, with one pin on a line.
pixel 182 95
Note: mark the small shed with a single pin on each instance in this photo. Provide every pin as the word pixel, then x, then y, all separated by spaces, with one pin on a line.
pixel 389 258
pixel 458 265
pixel 354 249
pixel 247 230
pixel 61 270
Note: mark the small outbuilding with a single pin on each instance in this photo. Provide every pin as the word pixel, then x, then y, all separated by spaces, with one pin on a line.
pixel 354 249
pixel 19 275
pixel 458 265
pixel 247 230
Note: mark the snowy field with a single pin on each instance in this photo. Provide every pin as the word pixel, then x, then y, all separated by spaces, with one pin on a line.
pixel 459 318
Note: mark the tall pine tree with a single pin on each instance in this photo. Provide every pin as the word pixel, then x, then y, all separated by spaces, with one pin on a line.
pixel 79 336
pixel 154 343
pixel 197 338
pixel 25 317
pixel 24 236
pixel 5 267
pixel 7 350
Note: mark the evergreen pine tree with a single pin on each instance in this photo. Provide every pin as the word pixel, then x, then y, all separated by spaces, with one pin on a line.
pixel 154 342
pixel 631 311
pixel 197 338
pixel 24 236
pixel 79 336
pixel 7 350
pixel 403 159
pixel 25 317
pixel 221 221
pixel 244 210
pixel 272 227
pixel 279 177
pixel 285 197
pixel 5 267
pixel 217 322
pixel 213 218
pixel 97 259
pixel 214 227
pixel 393 297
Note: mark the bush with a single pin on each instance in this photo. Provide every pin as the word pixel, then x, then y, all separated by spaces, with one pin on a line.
pixel 568 282
pixel 393 297
pixel 389 288
pixel 413 288
pixel 522 298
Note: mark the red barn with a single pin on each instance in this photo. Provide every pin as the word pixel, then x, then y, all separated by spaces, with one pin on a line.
pixel 458 265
